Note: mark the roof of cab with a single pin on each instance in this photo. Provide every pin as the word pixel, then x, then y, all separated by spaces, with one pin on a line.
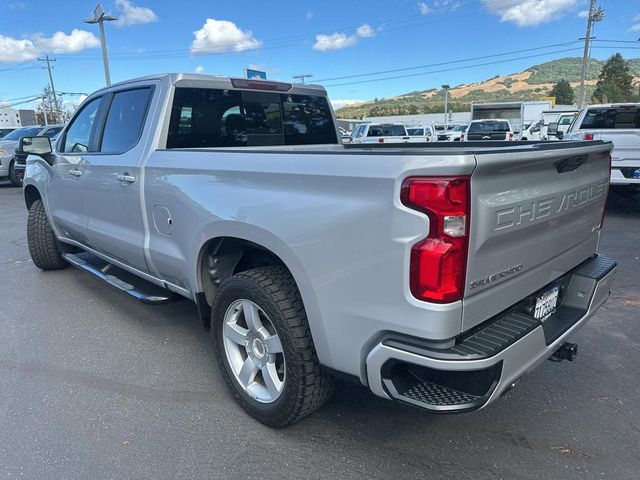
pixel 212 80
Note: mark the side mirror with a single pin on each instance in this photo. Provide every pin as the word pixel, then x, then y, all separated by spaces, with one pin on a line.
pixel 560 135
pixel 35 146
pixel 552 129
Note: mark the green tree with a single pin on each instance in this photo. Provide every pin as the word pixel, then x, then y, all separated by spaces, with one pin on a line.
pixel 563 93
pixel 615 81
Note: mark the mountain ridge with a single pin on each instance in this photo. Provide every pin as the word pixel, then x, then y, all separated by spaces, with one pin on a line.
pixel 533 83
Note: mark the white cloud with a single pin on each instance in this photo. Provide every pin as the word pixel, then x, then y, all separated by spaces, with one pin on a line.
pixel 365 31
pixel 14 50
pixel 309 15
pixel 129 14
pixel 335 41
pixel 527 13
pixel 636 26
pixel 217 36
pixel 343 102
pixel 339 40
pixel 199 69
pixel 583 13
pixel 17 6
pixel 22 50
pixel 424 8
pixel 75 42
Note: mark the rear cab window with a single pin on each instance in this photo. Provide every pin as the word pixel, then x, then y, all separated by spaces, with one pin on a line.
pixel 489 127
pixel 415 132
pixel 386 131
pixel 623 117
pixel 204 117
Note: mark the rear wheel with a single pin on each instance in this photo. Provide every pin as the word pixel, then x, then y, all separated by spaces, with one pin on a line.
pixel 264 347
pixel 44 247
pixel 13 178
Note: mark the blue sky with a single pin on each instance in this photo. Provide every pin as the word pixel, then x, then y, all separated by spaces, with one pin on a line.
pixel 327 38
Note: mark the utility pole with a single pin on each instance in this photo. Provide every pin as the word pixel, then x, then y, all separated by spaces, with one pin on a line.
pixel 446 88
pixel 595 15
pixel 48 61
pixel 302 76
pixel 99 17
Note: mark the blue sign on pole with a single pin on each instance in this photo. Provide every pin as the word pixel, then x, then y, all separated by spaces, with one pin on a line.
pixel 250 73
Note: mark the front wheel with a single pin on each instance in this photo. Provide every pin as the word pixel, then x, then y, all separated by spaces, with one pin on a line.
pixel 264 348
pixel 44 247
pixel 13 178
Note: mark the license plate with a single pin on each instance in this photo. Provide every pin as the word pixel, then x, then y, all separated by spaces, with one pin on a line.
pixel 546 304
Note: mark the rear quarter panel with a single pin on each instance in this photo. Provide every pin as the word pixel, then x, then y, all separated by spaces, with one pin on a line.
pixel 335 219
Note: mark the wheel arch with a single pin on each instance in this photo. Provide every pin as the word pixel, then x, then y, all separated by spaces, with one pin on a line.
pixel 31 194
pixel 238 247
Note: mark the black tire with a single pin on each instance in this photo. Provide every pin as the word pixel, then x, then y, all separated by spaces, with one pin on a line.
pixel 306 386
pixel 15 181
pixel 44 247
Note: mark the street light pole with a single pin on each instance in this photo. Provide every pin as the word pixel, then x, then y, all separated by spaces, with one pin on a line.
pixel 594 15
pixel 100 17
pixel 446 88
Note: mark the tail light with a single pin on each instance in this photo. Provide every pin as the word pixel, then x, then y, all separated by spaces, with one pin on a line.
pixel 510 136
pixel 587 136
pixel 381 140
pixel 350 140
pixel 428 139
pixel 438 264
pixel 462 137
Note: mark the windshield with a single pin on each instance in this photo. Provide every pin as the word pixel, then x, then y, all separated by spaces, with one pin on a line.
pixel 489 127
pixel 22 132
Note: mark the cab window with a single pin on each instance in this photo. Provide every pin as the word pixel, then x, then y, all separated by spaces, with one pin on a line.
pixel 125 120
pixel 78 136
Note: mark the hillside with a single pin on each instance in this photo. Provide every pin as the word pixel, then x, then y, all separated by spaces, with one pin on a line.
pixel 531 84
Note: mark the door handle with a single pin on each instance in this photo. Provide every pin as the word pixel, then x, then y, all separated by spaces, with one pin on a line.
pixel 126 178
pixel 75 173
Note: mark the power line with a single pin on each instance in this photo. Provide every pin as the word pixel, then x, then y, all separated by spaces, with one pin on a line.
pixel 454 68
pixel 470 59
pixel 294 40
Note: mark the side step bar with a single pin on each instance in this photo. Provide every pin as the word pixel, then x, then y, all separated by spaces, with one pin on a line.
pixel 121 279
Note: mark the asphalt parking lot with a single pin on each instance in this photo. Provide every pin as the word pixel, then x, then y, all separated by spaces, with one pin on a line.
pixel 94 384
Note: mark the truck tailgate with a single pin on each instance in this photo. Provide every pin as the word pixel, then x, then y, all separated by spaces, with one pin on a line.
pixel 534 216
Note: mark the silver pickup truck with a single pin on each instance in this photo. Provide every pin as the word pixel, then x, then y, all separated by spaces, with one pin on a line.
pixel 436 275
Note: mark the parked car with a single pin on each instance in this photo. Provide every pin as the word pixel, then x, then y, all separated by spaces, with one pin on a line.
pixel 452 135
pixel 436 275
pixel 618 123
pixel 494 129
pixel 532 132
pixel 8 147
pixel 419 134
pixel 380 133
pixel 6 131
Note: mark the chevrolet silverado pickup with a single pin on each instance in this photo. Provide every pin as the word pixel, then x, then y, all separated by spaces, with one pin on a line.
pixel 436 275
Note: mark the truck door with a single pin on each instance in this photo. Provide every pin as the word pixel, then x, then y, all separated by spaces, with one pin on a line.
pixel 64 189
pixel 112 183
